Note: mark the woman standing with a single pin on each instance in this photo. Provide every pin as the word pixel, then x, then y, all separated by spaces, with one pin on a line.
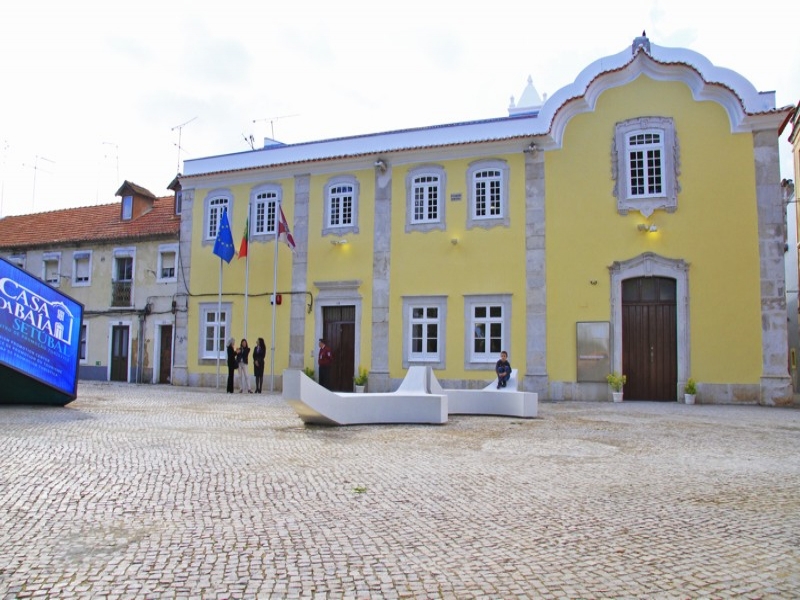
pixel 244 354
pixel 259 354
pixel 232 364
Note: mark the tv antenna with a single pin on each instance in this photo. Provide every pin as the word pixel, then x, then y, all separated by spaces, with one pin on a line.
pixel 250 141
pixel 272 123
pixel 180 131
pixel 36 168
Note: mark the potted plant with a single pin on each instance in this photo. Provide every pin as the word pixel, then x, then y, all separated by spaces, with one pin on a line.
pixel 360 380
pixel 615 382
pixel 689 391
pixel 309 372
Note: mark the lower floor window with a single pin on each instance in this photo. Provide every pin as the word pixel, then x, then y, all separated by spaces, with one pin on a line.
pixel 487 328
pixel 424 319
pixel 214 332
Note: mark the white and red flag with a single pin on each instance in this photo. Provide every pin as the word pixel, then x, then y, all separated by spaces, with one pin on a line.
pixel 284 234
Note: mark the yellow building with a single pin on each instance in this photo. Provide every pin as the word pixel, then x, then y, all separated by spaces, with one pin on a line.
pixel 632 223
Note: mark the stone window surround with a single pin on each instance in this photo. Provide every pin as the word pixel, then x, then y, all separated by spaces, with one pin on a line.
pixel 470 301
pixel 268 188
pixel 670 165
pixel 205 308
pixel 439 302
pixel 327 228
pixel 421 171
pixel 482 165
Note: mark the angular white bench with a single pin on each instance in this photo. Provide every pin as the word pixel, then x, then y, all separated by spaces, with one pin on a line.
pixel 504 402
pixel 411 403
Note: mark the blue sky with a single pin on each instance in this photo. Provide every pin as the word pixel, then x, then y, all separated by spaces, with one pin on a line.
pixel 94 95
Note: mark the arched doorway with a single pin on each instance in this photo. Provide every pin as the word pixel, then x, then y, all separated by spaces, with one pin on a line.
pixel 649 338
pixel 648 266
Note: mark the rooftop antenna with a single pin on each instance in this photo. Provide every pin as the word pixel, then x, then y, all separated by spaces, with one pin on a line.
pixel 180 131
pixel 250 141
pixel 272 123
pixel 35 168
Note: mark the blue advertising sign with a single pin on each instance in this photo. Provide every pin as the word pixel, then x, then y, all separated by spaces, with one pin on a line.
pixel 40 330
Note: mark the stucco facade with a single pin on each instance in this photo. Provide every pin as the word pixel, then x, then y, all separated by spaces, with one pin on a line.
pixel 442 245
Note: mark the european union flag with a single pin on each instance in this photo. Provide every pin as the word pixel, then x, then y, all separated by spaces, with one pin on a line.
pixel 223 246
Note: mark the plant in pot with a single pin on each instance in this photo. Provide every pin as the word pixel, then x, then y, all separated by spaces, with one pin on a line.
pixel 360 380
pixel 309 372
pixel 689 391
pixel 616 381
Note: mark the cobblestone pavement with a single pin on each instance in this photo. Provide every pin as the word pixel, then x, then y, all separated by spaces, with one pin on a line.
pixel 159 492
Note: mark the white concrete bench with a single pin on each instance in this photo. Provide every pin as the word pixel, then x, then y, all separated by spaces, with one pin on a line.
pixel 411 403
pixel 506 401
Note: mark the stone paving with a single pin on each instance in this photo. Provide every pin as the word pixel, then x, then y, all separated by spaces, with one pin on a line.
pixel 159 492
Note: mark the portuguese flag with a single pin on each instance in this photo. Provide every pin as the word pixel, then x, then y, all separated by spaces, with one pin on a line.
pixel 243 245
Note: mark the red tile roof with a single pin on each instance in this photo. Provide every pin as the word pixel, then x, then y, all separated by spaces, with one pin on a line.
pixel 88 224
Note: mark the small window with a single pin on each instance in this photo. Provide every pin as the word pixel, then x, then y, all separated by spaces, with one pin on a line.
pixel 18 260
pixel 487 184
pixel 167 262
pixel 424 321
pixel 178 202
pixel 81 269
pixel 217 203
pixel 51 268
pixel 264 202
pixel 214 330
pixel 425 195
pixel 127 208
pixel 341 205
pixel 488 328
pixel 645 165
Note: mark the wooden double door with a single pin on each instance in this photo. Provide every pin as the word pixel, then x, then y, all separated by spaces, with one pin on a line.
pixel 649 338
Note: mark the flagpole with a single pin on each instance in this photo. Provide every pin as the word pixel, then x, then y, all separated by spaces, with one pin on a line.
pixel 219 313
pixel 274 288
pixel 247 269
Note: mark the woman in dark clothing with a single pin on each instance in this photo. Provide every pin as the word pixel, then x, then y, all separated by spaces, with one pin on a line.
pixel 232 364
pixel 259 353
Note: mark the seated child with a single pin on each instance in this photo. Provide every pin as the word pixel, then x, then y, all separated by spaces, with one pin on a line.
pixel 503 370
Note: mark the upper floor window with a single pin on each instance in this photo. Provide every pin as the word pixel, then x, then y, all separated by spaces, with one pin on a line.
pixel 341 205
pixel 18 260
pixel 216 204
pixel 167 262
pixel 178 202
pixel 425 189
pixel 645 165
pixel 122 277
pixel 127 208
pixel 82 268
pixel 51 268
pixel 264 204
pixel 424 319
pixel 488 328
pixel 487 185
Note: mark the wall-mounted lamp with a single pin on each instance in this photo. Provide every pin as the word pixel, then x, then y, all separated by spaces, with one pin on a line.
pixel 454 241
pixel 645 228
pixel 338 242
pixel 531 148
pixel 380 164
pixel 593 281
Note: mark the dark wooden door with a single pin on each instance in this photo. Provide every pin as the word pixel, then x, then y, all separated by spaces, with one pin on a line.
pixel 339 326
pixel 649 338
pixel 119 352
pixel 165 362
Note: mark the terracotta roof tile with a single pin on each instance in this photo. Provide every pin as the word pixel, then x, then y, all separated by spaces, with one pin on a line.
pixel 88 224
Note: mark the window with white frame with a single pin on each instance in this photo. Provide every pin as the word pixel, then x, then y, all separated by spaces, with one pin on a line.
pixel 424 319
pixel 425 191
pixel 127 208
pixel 82 268
pixel 167 262
pixel 178 202
pixel 264 203
pixel 217 203
pixel 341 205
pixel 645 165
pixel 82 347
pixel 487 185
pixel 488 328
pixel 51 268
pixel 214 328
